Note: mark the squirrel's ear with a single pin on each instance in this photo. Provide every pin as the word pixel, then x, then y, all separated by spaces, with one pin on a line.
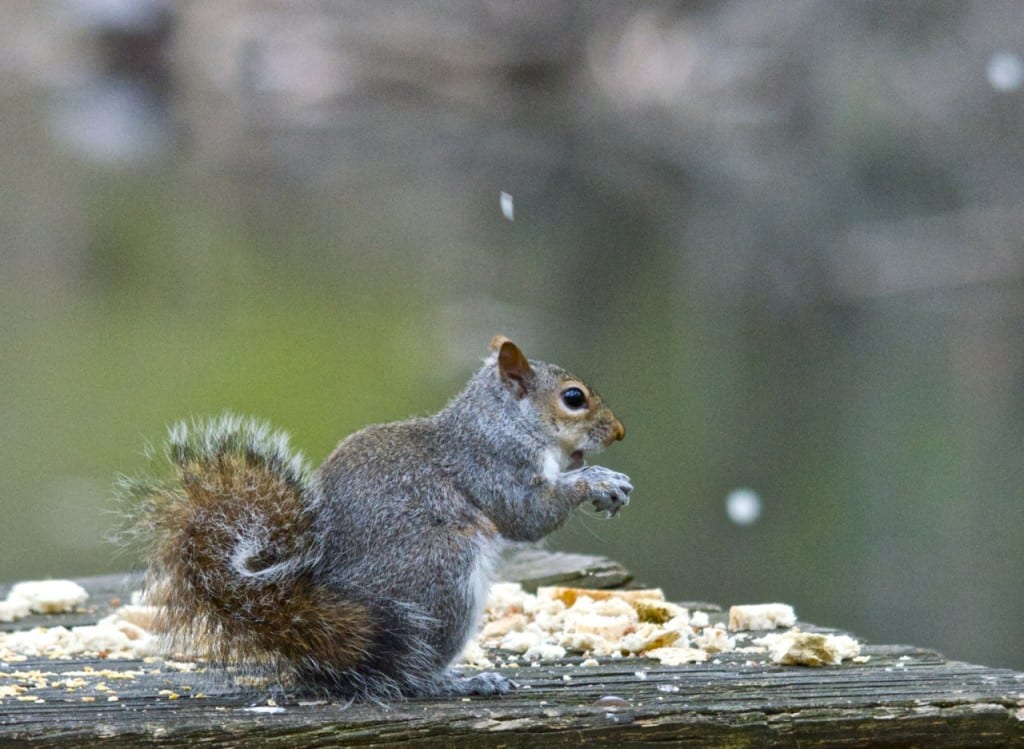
pixel 513 366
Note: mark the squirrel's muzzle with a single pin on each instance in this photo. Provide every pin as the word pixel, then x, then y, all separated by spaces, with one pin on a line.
pixel 617 432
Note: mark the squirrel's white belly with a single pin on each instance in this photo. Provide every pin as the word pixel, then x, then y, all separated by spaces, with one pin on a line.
pixel 478 583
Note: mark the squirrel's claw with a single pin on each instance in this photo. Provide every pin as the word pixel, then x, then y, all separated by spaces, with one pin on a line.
pixel 610 490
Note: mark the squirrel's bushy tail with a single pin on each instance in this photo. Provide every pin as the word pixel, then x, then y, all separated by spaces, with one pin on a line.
pixel 232 552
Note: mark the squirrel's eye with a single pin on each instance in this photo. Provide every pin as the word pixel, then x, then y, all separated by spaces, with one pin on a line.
pixel 574 398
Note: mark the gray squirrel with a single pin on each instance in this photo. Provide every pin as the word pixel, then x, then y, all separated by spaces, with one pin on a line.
pixel 367 576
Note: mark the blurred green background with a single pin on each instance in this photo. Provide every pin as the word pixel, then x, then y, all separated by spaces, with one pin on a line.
pixel 785 240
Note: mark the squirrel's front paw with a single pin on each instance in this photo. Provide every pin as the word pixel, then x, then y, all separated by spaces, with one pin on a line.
pixel 607 490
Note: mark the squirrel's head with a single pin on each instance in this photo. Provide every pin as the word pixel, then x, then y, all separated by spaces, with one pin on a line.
pixel 568 410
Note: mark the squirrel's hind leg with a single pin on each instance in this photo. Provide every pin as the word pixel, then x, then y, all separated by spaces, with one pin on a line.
pixel 453 684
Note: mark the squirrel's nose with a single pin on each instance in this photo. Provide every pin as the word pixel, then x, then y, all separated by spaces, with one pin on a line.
pixel 618 431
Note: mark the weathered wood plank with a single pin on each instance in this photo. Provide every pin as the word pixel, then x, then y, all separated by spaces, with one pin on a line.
pixel 903 696
pixel 536 567
pixel 919 700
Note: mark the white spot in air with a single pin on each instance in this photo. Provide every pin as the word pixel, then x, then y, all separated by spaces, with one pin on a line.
pixel 507 209
pixel 743 506
pixel 1005 71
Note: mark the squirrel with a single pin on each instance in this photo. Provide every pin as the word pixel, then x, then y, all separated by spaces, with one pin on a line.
pixel 367 576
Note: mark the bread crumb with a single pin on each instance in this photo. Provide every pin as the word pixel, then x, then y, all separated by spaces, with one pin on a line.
pixel 699 619
pixel 761 616
pixel 534 628
pixel 796 648
pixel 568 596
pixel 114 636
pixel 42 597
pixel 678 656
pixel 714 640
pixel 11 611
